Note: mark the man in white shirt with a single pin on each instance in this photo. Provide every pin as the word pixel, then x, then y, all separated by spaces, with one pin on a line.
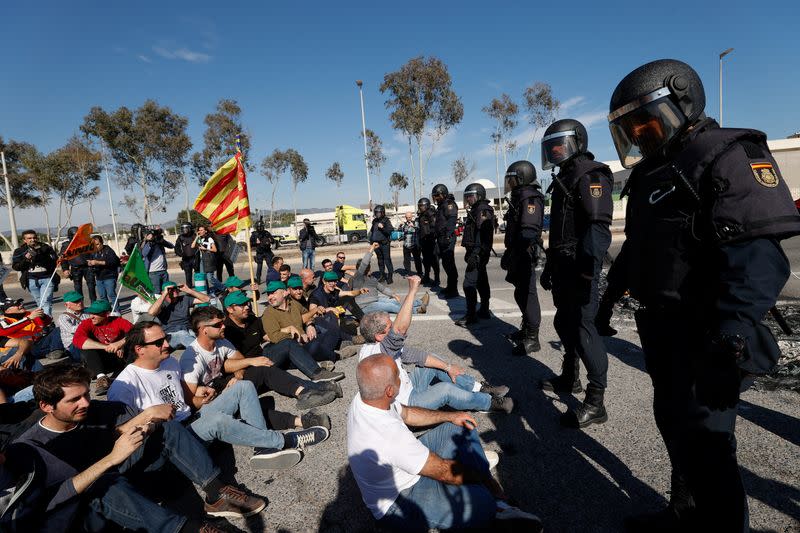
pixel 154 378
pixel 409 483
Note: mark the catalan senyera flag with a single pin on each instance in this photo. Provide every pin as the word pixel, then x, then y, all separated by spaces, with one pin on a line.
pixel 80 244
pixel 224 200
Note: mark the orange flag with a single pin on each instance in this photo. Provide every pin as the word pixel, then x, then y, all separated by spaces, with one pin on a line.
pixel 80 244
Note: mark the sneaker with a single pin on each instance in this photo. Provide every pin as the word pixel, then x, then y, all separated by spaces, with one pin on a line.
pixel 330 386
pixel 499 391
pixel 346 352
pixel 299 439
pixel 274 459
pixel 312 419
pixel 358 339
pixel 426 299
pixel 56 354
pixel 326 375
pixel 505 405
pixel 523 521
pixel 492 458
pixel 327 365
pixel 310 398
pixel 101 385
pixel 234 503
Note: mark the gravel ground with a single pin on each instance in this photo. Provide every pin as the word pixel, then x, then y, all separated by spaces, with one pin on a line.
pixel 574 480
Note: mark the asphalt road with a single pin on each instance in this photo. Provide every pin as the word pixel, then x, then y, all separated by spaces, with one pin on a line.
pixel 574 480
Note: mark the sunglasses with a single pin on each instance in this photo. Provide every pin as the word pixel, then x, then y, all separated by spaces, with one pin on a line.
pixel 215 325
pixel 339 257
pixel 157 342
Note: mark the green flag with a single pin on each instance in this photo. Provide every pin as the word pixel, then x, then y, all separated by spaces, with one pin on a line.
pixel 134 276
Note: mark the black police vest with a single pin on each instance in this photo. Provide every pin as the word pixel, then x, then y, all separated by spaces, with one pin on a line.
pixel 567 222
pixel 265 247
pixel 480 213
pixel 444 212
pixel 681 210
pixel 427 223
pixel 519 215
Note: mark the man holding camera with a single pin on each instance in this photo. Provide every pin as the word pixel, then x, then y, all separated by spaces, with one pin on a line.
pixel 155 257
pixel 36 262
pixel 172 310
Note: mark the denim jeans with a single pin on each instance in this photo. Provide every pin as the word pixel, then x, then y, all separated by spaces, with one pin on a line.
pixel 23 395
pixel 158 278
pixel 213 285
pixel 308 258
pixel 443 392
pixel 43 298
pixel 27 361
pixel 107 290
pixel 181 338
pixel 433 504
pixel 290 349
pixel 388 305
pixel 47 344
pixel 217 422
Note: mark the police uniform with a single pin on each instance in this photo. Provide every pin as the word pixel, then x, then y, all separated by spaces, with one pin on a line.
pixel 446 220
pixel 427 244
pixel 580 215
pixel 477 239
pixel 261 241
pixel 381 232
pixel 524 220
pixel 188 255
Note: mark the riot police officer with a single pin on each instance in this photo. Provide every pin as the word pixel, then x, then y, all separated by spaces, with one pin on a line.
pixel 381 233
pixel 706 211
pixel 77 269
pixel 261 241
pixel 523 234
pixel 427 241
pixel 184 250
pixel 446 220
pixel 477 239
pixel 580 216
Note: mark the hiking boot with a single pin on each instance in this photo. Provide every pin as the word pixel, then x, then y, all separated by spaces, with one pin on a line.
pixel 101 385
pixel 310 398
pixel 484 313
pixel 449 293
pixel 326 375
pixel 568 381
pixel 591 411
pixel 299 439
pixel 311 419
pixel 531 341
pixel 330 386
pixel 274 459
pixel 234 503
pixel 500 390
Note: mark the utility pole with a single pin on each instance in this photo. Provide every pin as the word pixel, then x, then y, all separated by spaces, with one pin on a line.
pixel 723 54
pixel 364 134
pixel 110 200
pixel 10 203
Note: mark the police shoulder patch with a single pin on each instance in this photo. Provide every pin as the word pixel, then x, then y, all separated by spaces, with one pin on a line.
pixel 764 174
pixel 531 209
pixel 596 190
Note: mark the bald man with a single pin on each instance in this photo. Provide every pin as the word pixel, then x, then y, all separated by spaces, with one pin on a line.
pixel 409 483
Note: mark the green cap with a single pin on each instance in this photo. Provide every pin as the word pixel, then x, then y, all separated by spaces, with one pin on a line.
pixel 167 284
pixel 294 282
pixel 236 298
pixel 234 281
pixel 73 296
pixel 273 286
pixel 330 276
pixel 98 307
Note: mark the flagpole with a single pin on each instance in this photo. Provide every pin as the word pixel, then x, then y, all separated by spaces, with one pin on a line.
pixel 114 306
pixel 247 240
pixel 49 283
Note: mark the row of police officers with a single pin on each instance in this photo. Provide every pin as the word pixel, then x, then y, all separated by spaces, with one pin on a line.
pixel 707 209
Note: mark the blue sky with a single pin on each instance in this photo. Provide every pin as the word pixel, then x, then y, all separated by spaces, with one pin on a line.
pixel 293 68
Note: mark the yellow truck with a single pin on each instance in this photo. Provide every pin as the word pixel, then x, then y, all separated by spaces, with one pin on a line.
pixel 345 224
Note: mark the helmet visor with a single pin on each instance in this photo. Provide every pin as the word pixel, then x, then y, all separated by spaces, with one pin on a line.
pixel 558 147
pixel 643 130
pixel 470 197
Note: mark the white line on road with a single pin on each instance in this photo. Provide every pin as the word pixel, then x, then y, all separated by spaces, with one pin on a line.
pixel 510 314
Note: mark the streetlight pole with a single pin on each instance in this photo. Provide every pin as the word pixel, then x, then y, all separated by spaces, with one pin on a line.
pixel 364 134
pixel 111 199
pixel 723 54
pixel 10 203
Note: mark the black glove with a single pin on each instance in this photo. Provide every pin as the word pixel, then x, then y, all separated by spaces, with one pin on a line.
pixel 546 279
pixel 505 260
pixel 718 380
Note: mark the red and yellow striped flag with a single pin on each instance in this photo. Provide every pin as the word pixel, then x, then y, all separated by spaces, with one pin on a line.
pixel 224 200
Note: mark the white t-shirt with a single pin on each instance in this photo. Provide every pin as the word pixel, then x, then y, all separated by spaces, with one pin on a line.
pixel 139 306
pixel 384 455
pixel 406 387
pixel 202 367
pixel 141 388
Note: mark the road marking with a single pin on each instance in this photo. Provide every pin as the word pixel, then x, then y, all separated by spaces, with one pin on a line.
pixel 506 314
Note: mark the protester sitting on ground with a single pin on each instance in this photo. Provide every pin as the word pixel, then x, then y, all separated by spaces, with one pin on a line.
pixel 26 337
pixel 154 378
pixel 307 276
pixel 94 453
pixel 69 320
pixel 330 297
pixel 235 283
pixel 433 383
pixel 172 310
pixel 273 272
pixel 411 484
pixel 100 339
pixel 139 309
pixel 380 297
pixel 294 338
pixel 211 360
pixel 284 272
pixel 341 268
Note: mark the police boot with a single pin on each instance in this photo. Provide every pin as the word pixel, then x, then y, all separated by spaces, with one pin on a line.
pixel 529 343
pixel 389 280
pixel 467 320
pixel 591 411
pixel 449 292
pixel 483 312
pixel 568 381
pixel 678 516
pixel 516 336
pixel 602 321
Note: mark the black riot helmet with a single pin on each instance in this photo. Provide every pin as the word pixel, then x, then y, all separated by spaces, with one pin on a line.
pixel 518 174
pixel 423 205
pixel 72 231
pixel 379 211
pixel 187 228
pixel 474 193
pixel 260 225
pixel 651 106
pixel 439 193
pixel 563 140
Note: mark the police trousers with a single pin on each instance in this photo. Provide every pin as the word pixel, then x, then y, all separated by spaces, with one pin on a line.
pixel 700 442
pixel 447 255
pixel 430 260
pixel 576 300
pixel 476 282
pixel 522 274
